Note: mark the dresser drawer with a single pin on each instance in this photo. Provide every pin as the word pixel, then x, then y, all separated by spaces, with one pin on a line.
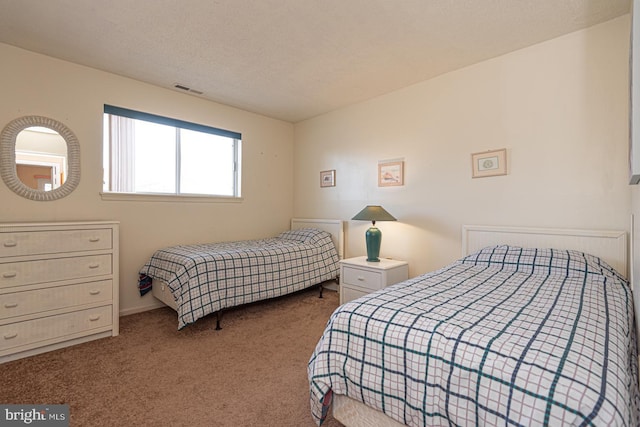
pixel 367 279
pixel 59 297
pixel 52 270
pixel 52 327
pixel 56 241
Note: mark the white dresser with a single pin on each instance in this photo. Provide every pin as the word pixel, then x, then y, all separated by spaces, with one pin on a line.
pixel 359 277
pixel 58 285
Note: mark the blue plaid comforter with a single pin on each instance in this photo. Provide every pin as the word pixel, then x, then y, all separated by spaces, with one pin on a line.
pixel 209 277
pixel 506 336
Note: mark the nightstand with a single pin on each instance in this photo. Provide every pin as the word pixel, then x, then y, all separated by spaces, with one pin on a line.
pixel 359 277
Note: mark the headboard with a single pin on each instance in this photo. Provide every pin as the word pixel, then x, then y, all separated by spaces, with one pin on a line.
pixel 332 226
pixel 611 246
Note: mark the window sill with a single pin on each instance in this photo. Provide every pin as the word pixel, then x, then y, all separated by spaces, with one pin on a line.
pixel 140 197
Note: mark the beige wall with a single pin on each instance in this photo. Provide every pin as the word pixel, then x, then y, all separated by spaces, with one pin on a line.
pixel 33 84
pixel 560 109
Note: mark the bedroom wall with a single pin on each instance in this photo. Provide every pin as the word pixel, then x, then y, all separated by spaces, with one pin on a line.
pixel 33 84
pixel 560 109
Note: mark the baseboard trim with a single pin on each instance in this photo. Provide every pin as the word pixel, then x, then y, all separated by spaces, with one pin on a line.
pixel 141 309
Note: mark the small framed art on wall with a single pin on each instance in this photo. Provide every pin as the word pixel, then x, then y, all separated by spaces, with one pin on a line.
pixel 328 178
pixel 489 163
pixel 390 173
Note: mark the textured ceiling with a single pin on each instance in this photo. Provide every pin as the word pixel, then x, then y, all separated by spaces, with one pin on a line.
pixel 290 59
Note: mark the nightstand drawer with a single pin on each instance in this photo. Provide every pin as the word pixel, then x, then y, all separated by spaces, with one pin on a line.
pixel 349 294
pixel 362 278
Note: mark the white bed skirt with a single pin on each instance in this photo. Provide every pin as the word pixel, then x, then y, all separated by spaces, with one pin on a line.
pixel 352 413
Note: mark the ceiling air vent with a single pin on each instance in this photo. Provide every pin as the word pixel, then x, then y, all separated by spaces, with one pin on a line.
pixel 186 89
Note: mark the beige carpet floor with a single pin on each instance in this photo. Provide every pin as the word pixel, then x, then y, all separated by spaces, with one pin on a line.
pixel 250 373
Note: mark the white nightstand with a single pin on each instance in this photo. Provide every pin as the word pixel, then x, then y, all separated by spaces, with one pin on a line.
pixel 359 277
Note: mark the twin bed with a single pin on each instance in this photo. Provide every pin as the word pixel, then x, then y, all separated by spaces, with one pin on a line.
pixel 513 333
pixel 529 327
pixel 198 280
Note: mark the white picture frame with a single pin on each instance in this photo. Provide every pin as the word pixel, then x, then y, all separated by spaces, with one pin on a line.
pixel 328 178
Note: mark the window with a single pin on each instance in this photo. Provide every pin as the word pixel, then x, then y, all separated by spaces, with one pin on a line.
pixel 149 154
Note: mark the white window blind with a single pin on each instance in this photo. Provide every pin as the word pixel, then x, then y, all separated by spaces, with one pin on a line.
pixel 150 154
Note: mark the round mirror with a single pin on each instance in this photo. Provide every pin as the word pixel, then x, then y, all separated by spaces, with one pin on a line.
pixel 39 158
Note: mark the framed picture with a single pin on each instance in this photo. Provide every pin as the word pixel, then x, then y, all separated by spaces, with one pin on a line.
pixel 328 178
pixel 390 173
pixel 489 163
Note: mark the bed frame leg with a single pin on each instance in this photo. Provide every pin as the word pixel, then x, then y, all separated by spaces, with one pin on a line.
pixel 218 321
pixel 321 288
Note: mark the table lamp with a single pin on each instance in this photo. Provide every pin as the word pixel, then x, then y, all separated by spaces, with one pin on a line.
pixel 373 235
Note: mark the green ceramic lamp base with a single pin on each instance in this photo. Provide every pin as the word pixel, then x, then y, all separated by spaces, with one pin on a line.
pixel 374 238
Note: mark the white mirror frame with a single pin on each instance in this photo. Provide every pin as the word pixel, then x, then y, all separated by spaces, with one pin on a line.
pixel 8 158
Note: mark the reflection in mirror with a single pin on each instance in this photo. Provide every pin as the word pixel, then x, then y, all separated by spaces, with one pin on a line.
pixel 31 142
pixel 41 158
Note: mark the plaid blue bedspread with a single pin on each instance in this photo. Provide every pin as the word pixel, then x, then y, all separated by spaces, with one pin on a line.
pixel 209 277
pixel 506 336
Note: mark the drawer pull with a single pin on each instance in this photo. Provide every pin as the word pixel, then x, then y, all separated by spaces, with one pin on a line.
pixel 94 292
pixel 9 274
pixel 9 336
pixel 94 317
pixel 94 265
pixel 10 244
pixel 94 239
pixel 360 278
pixel 11 305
